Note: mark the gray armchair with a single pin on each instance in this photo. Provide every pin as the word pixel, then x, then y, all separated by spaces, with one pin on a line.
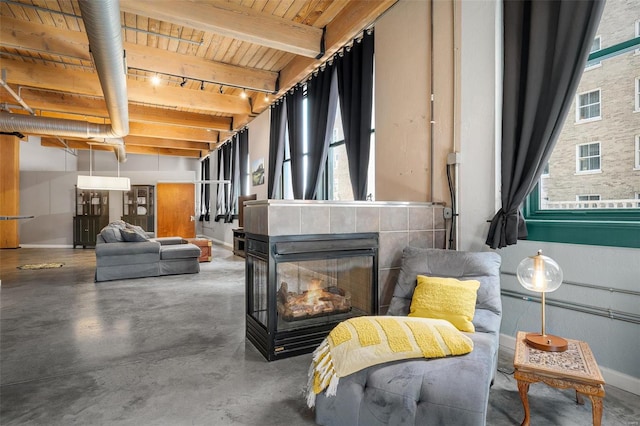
pixel 443 391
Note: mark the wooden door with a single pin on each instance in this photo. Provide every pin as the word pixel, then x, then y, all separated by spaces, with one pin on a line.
pixel 176 206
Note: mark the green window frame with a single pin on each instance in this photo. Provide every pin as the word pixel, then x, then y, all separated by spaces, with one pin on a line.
pixel 599 227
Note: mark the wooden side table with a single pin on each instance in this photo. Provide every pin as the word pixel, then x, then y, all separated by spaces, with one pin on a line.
pixel 205 248
pixel 575 368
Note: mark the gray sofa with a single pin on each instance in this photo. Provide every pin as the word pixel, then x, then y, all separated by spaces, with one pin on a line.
pixel 121 255
pixel 443 391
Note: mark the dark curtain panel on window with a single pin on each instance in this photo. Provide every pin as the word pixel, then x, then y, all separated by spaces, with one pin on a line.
pixel 243 160
pixel 322 98
pixel 205 190
pixel 226 175
pixel 295 117
pixel 234 176
pixel 546 44
pixel 276 145
pixel 221 189
pixel 355 86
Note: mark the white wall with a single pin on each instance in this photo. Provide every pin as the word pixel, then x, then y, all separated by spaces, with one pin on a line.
pixel 615 343
pixel 35 157
pixel 47 190
pixel 480 97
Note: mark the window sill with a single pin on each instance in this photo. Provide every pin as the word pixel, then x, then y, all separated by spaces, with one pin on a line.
pixel 588 172
pixel 596 232
pixel 588 120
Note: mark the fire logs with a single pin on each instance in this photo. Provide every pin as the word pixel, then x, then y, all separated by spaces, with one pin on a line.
pixel 316 301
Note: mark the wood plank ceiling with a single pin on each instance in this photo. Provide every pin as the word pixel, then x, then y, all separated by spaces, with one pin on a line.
pixel 206 55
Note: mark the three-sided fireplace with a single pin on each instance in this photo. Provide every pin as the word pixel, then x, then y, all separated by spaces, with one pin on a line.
pixel 301 286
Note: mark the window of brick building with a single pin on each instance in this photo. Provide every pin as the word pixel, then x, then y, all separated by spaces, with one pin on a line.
pixel 588 108
pixel 588 157
pixel 597 42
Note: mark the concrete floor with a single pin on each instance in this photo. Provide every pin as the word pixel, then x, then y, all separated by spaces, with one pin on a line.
pixel 171 351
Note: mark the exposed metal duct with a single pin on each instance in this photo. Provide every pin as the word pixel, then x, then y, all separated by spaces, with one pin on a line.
pixel 102 23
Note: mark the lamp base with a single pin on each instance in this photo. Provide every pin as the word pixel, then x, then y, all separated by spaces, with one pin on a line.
pixel 546 342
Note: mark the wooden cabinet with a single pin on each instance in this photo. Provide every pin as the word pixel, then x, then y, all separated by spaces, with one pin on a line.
pixel 92 214
pixel 138 206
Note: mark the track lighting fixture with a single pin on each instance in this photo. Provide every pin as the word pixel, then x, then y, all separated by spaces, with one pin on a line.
pixel 221 87
pixel 184 81
pixel 202 85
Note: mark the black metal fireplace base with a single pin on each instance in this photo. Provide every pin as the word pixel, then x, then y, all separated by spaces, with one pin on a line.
pixel 278 337
pixel 286 344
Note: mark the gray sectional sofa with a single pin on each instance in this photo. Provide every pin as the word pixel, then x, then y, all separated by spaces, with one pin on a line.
pixel 443 391
pixel 126 251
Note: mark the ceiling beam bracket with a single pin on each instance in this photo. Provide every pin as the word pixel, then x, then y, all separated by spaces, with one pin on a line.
pixel 322 45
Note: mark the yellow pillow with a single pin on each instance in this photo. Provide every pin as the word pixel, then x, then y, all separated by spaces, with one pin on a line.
pixel 446 298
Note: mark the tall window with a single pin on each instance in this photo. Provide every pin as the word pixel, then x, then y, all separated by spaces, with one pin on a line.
pixel 286 187
pixel 336 180
pixel 588 107
pixel 588 157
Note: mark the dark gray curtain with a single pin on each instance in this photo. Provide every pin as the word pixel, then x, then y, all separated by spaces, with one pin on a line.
pixel 322 98
pixel 276 145
pixel 205 190
pixel 224 171
pixel 355 86
pixel 546 44
pixel 234 175
pixel 295 117
pixel 243 160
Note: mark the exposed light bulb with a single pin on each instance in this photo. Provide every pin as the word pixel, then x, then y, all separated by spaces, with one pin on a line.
pixel 155 80
pixel 266 98
pixel 243 95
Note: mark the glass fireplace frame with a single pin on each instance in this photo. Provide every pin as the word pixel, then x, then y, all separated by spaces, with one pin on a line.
pixel 264 327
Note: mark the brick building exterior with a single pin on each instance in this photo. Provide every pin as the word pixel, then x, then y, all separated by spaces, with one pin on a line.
pixel 596 156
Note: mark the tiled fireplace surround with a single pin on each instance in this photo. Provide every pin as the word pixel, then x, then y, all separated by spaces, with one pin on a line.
pixel 399 224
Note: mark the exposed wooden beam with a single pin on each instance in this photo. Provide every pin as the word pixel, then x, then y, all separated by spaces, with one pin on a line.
pixel 347 25
pixel 235 21
pixel 86 83
pixel 166 143
pixel 133 149
pixel 196 68
pixel 66 103
pixel 167 131
pixel 56 41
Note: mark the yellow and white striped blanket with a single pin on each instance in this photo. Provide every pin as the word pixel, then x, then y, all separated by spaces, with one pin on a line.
pixel 361 342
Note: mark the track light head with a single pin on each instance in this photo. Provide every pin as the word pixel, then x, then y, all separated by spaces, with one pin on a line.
pixel 184 81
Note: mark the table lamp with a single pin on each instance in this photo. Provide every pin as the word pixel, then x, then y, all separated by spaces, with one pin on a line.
pixel 541 274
